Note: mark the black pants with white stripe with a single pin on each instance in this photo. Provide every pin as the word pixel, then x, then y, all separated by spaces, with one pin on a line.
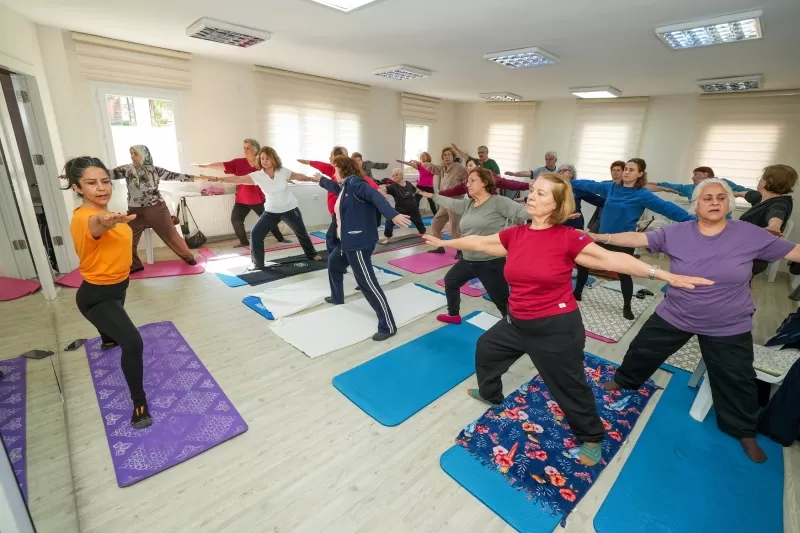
pixel 361 262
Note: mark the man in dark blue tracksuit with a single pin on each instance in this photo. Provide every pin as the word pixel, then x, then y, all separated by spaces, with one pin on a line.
pixel 355 214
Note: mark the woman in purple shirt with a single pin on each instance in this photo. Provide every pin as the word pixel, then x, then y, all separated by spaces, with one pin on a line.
pixel 721 315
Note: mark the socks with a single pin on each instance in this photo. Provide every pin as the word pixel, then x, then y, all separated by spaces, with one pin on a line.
pixel 449 319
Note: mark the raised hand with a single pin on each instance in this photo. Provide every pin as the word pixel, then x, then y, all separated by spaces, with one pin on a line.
pixel 402 220
pixel 509 173
pixel 687 282
pixel 110 220
pixel 433 241
pixel 303 161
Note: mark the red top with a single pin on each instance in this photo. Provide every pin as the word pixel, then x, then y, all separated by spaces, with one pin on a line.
pixel 539 269
pixel 501 182
pixel 245 194
pixel 328 170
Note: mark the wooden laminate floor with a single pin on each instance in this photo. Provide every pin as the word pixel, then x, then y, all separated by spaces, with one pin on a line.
pixel 311 461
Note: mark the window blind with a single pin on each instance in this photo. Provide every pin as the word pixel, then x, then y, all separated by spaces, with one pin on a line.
pixel 509 126
pixel 738 135
pixel 418 107
pixel 605 132
pixel 123 62
pixel 304 116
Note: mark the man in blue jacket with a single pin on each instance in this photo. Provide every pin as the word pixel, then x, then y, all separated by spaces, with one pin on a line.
pixel 355 215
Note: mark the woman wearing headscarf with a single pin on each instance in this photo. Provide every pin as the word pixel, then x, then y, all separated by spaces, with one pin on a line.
pixel 148 205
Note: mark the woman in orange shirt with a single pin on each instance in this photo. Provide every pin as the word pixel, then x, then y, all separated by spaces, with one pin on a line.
pixel 104 243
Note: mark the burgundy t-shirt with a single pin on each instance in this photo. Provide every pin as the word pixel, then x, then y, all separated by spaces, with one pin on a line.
pixel 245 194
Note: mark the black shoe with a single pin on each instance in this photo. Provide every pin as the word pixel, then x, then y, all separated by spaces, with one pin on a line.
pixel 459 254
pixel 141 416
pixel 358 288
pixel 438 250
pixel 135 270
pixel 577 295
pixel 286 241
pixel 191 262
pixel 329 300
pixel 381 336
pixel 627 313
pixel 108 345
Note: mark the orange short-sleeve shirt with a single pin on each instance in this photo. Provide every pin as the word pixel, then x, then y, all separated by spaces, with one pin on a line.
pixel 103 261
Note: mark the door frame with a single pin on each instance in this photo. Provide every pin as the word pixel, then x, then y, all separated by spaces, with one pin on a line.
pixel 99 89
pixel 14 263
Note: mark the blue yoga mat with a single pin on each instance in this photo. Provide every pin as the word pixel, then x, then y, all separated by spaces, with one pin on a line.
pixel 394 386
pixel 589 281
pixel 320 234
pixel 688 477
pixel 231 281
pixel 492 490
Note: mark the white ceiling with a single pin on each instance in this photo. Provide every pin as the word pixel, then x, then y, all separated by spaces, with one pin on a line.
pixel 608 42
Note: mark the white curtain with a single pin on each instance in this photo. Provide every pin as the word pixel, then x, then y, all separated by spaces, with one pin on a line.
pixel 509 130
pixel 418 107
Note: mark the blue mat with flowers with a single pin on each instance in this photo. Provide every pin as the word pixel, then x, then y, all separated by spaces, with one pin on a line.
pixel 520 459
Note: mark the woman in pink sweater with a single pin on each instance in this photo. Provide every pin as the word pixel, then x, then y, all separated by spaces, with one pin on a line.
pixel 425 181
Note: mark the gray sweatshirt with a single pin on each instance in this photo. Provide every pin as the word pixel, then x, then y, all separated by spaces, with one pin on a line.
pixel 491 217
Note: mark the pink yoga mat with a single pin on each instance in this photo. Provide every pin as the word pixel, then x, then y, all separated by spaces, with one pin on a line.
pixel 600 338
pixel 159 269
pixel 465 289
pixel 11 289
pixel 425 262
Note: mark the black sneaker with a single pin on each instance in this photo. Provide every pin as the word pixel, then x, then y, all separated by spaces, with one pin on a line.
pixel 141 416
pixel 381 336
pixel 329 300
pixel 438 250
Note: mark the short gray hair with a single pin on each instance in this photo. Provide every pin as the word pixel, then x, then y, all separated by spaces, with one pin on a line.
pixel 570 167
pixel 551 152
pixel 253 143
pixel 396 171
pixel 698 191
pixel 482 147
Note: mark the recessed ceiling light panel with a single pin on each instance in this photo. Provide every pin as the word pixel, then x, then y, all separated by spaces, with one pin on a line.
pixel 731 85
pixel 596 92
pixel 522 57
pixel 344 5
pixel 501 97
pixel 719 30
pixel 225 33
pixel 402 72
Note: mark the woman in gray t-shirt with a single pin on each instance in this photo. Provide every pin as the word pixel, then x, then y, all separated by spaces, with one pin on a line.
pixel 482 213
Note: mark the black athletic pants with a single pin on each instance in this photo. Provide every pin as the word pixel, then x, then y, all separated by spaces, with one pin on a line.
pixel 269 221
pixel 729 362
pixel 625 281
pixel 490 274
pixel 416 219
pixel 361 262
pixel 102 305
pixel 240 212
pixel 555 345
pixel 431 203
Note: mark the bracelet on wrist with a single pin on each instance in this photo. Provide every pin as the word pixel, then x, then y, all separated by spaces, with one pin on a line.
pixel 608 240
pixel 653 270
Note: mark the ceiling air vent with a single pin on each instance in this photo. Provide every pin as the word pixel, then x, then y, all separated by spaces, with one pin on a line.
pixel 222 32
pixel 732 85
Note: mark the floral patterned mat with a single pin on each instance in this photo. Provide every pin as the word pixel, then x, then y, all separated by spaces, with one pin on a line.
pixel 528 441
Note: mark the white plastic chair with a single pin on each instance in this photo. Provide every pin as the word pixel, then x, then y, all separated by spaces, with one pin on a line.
pixel 772 270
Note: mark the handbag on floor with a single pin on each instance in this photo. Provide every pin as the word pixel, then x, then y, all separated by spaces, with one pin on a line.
pixel 192 241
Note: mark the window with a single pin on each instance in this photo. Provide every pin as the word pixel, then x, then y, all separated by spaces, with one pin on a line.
pixel 739 136
pixel 161 114
pixel 121 111
pixel 605 132
pixel 303 116
pixel 506 133
pixel 415 141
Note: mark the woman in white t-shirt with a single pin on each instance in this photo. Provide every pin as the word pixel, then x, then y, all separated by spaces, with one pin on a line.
pixel 281 205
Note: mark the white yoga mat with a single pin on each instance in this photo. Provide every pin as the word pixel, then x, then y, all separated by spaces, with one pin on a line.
pixel 289 299
pixel 327 330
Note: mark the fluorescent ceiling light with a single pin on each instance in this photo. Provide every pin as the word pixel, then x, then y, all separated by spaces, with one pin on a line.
pixel 522 57
pixel 402 72
pixel 727 29
pixel 596 92
pixel 501 97
pixel 226 33
pixel 344 5
pixel 731 85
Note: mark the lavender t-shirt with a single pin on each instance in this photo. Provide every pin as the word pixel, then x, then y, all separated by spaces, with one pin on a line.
pixel 725 308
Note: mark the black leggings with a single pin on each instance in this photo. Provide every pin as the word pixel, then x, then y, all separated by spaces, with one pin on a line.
pixel 431 203
pixel 102 305
pixel 490 274
pixel 240 212
pixel 625 281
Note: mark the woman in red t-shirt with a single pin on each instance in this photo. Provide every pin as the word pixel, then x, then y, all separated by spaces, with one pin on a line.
pixel 543 318
pixel 248 197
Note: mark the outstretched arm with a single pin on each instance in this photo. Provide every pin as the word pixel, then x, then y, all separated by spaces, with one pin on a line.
pixel 668 209
pixel 594 187
pixel 99 224
pixel 511 185
pixel 458 190
pixel 490 244
pixel 167 175
pixel 520 174
pixel 596 257
pixel 667 187
pixel 629 239
pixel 409 163
pixel 219 165
pixel 363 190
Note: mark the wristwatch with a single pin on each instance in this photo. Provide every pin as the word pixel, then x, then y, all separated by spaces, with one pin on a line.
pixel 653 269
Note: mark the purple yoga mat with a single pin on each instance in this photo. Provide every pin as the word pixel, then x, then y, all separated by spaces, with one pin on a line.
pixel 425 261
pixel 12 417
pixel 190 412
